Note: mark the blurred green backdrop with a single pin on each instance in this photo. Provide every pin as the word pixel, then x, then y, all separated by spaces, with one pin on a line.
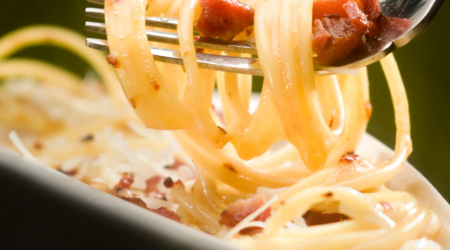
pixel 423 63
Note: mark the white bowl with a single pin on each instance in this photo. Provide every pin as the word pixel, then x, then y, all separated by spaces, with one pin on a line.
pixel 171 234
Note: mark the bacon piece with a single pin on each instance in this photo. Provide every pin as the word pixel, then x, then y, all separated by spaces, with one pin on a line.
pixel 372 9
pixel 357 17
pixel 313 217
pixel 168 182
pixel 163 211
pixel 70 172
pixel 343 39
pixel 373 29
pixel 122 192
pixel 332 7
pixel 136 201
pixel 344 34
pixel 176 165
pixel 391 28
pixel 124 186
pixel 240 209
pixel 167 213
pixel 112 59
pixel 151 184
pixel 320 36
pixel 350 159
pixel 224 18
pixel 126 180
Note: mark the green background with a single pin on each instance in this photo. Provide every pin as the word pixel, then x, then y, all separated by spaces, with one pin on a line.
pixel 424 64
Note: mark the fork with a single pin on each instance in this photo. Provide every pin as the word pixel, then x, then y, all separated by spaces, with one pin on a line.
pixel 420 12
pixel 233 64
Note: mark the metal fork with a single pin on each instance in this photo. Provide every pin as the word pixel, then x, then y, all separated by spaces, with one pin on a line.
pixel 233 64
pixel 420 12
pixel 242 65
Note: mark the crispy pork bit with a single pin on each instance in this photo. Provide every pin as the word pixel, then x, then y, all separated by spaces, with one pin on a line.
pixel 350 159
pixel 126 180
pixel 176 165
pixel 168 182
pixel 391 27
pixel 167 213
pixel 135 201
pixel 342 39
pixel 373 9
pixel 124 186
pixel 163 211
pixel 224 18
pixel 313 218
pixel 151 184
pixel 340 26
pixel 335 37
pixel 240 209
pixel 112 59
pixel 320 36
pixel 357 17
pixel 332 7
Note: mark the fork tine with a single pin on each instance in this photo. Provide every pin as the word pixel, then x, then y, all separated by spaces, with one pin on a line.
pixel 153 21
pixel 240 65
pixel 102 2
pixel 232 64
pixel 172 38
pixel 95 13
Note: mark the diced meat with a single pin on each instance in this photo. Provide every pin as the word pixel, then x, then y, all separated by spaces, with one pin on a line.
pixel 372 9
pixel 70 172
pixel 176 165
pixel 112 59
pixel 167 213
pixel 373 30
pixel 342 40
pixel 344 33
pixel 251 231
pixel 344 25
pixel 320 36
pixel 391 28
pixel 332 7
pixel 163 211
pixel 126 180
pixel 224 18
pixel 357 17
pixel 122 192
pixel 168 182
pixel 123 189
pixel 313 217
pixel 350 159
pixel 240 209
pixel 151 184
pixel 136 201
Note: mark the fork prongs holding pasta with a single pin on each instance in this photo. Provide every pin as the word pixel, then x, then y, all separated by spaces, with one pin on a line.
pixel 241 65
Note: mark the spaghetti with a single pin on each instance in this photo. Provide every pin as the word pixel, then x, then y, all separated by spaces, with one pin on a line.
pixel 238 160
